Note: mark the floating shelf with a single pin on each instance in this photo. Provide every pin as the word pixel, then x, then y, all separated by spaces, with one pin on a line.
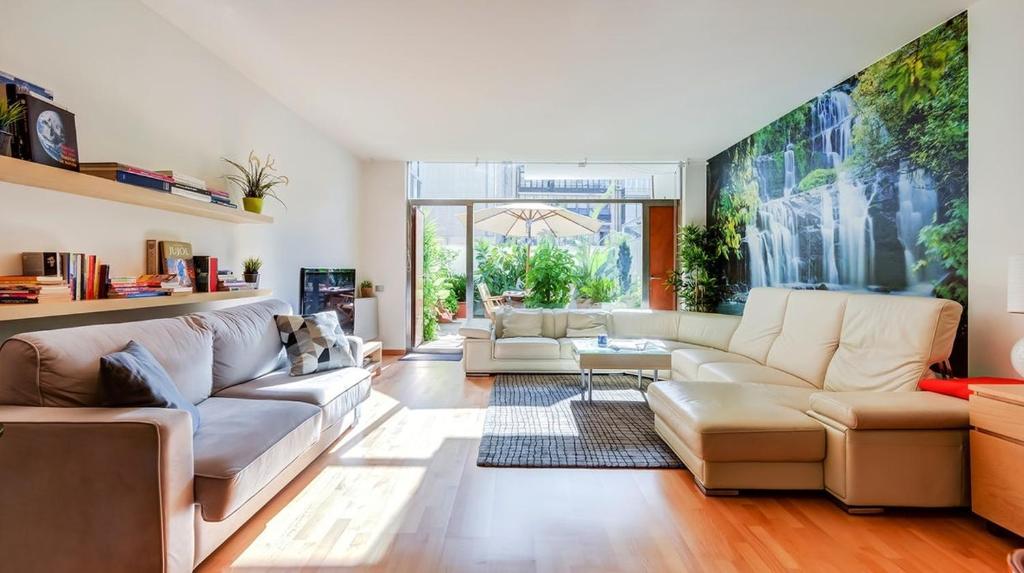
pixel 32 174
pixel 45 309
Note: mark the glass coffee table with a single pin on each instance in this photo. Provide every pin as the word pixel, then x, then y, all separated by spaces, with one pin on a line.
pixel 619 354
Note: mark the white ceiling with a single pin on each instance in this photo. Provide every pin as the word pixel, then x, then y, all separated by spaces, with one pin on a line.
pixel 546 79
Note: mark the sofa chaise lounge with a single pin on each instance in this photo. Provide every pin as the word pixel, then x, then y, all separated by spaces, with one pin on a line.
pixel 89 488
pixel 808 390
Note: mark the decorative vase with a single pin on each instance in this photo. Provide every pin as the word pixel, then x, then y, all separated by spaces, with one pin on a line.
pixel 366 292
pixel 253 278
pixel 253 204
pixel 5 143
pixel 461 311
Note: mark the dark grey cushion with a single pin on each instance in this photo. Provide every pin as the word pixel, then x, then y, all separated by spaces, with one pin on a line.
pixel 134 378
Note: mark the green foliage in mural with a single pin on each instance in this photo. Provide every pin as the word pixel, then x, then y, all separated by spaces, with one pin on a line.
pixel 699 278
pixel 817 178
pixel 946 244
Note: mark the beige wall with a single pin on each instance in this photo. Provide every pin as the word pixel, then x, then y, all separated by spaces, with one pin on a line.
pixel 995 46
pixel 382 229
pixel 145 94
pixel 695 193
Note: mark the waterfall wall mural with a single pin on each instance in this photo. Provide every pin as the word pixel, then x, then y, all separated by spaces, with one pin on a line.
pixel 863 188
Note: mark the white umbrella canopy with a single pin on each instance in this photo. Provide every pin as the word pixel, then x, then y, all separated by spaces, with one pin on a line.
pixel 531 219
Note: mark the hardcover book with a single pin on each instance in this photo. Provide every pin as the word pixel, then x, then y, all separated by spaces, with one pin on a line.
pixel 176 259
pixel 44 264
pixel 46 134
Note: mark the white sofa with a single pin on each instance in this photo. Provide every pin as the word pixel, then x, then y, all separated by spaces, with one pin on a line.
pixel 807 390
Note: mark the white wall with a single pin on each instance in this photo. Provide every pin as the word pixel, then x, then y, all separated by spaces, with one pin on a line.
pixel 145 94
pixel 995 45
pixel 383 260
pixel 695 193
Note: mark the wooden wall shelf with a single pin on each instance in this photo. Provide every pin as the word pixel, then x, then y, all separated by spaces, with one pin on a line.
pixel 22 172
pixel 49 309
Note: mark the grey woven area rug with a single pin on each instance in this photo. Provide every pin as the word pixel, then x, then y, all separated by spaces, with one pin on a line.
pixel 541 421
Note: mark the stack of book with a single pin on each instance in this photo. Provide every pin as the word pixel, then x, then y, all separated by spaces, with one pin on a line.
pixel 227 281
pixel 145 286
pixel 83 273
pixel 220 197
pixel 129 174
pixel 184 185
pixel 20 289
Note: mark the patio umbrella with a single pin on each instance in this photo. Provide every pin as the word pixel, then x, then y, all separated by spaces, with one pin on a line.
pixel 530 219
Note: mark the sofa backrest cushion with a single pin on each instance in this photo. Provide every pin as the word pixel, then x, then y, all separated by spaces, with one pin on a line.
pixel 809 335
pixel 635 323
pixel 761 323
pixel 517 323
pixel 888 342
pixel 61 367
pixel 246 342
pixel 707 329
pixel 586 323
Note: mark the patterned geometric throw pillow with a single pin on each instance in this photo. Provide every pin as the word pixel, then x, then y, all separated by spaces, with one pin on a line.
pixel 314 342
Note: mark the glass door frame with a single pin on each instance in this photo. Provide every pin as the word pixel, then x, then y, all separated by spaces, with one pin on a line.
pixel 412 248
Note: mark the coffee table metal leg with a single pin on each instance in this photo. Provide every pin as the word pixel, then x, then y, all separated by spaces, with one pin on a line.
pixel 640 379
pixel 655 379
pixel 590 385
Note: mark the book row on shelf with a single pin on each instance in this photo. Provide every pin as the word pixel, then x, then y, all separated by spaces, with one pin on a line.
pixel 171 269
pixel 57 146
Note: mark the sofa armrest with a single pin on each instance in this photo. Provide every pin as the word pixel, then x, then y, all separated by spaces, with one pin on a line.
pixel 478 328
pixel 355 344
pixel 96 489
pixel 891 410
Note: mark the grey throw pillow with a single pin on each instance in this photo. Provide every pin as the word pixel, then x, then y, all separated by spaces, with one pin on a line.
pixel 314 342
pixel 134 378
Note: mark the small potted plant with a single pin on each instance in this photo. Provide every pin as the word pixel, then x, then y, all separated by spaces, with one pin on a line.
pixel 257 180
pixel 366 289
pixel 251 270
pixel 9 115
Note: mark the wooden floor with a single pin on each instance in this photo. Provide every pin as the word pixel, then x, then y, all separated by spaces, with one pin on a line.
pixel 401 492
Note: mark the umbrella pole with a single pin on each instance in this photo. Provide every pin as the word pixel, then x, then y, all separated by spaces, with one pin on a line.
pixel 529 244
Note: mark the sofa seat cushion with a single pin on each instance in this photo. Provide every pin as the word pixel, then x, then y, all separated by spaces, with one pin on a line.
pixel 243 444
pixel 742 372
pixel 686 362
pixel 526 348
pixel 336 392
pixel 740 422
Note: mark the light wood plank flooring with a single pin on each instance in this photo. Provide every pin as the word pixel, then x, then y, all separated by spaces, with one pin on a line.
pixel 401 492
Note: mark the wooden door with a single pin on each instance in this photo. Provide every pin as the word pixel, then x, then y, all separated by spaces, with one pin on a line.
pixel 661 248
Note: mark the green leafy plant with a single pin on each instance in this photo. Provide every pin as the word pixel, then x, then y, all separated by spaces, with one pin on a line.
pixel 699 279
pixel 10 113
pixel 366 284
pixel 457 284
pixel 435 277
pixel 602 289
pixel 500 266
pixel 817 178
pixel 550 277
pixel 624 264
pixel 252 265
pixel 257 178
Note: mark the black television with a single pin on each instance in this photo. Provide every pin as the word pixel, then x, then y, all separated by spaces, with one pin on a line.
pixel 329 289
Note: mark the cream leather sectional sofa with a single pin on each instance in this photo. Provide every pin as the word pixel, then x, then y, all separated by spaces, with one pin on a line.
pixel 808 390
pixel 90 488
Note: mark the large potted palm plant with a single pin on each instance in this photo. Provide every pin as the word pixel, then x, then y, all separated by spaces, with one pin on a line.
pixel 257 180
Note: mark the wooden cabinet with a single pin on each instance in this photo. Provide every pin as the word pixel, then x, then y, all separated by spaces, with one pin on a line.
pixel 997 454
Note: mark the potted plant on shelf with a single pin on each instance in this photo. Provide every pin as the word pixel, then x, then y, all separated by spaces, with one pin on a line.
pixel 251 270
pixel 257 180
pixel 366 289
pixel 9 115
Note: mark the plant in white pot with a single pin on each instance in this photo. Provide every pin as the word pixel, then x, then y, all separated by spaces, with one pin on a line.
pixel 257 179
pixel 9 115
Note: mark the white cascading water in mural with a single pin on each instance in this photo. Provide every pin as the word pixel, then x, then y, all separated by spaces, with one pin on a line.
pixel 828 239
pixel 755 257
pixel 856 237
pixel 790 165
pixel 918 205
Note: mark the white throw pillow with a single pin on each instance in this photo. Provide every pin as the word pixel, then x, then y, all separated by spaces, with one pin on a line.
pixel 517 323
pixel 587 324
